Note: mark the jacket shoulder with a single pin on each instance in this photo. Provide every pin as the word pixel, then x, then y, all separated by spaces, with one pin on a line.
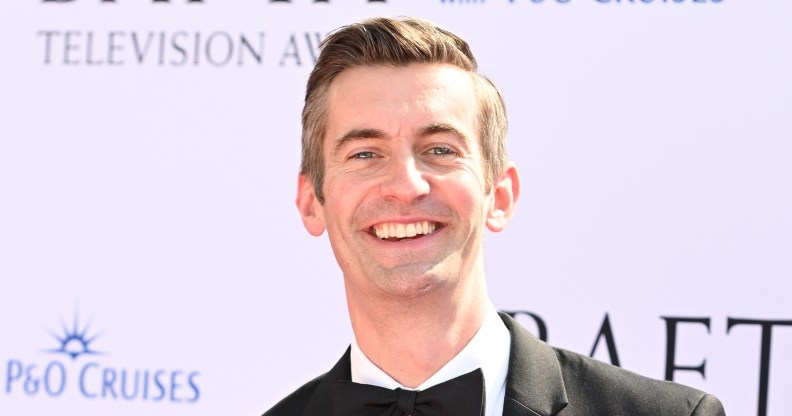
pixel 315 396
pixel 295 403
pixel 595 387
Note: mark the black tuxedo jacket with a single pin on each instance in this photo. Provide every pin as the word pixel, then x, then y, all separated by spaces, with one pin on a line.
pixel 543 380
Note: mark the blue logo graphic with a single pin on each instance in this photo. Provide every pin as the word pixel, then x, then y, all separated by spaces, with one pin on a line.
pixel 95 379
pixel 74 342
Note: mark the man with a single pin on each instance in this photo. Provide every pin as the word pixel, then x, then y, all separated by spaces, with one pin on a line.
pixel 404 165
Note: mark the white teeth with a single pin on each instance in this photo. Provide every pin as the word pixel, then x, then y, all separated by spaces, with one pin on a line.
pixel 398 230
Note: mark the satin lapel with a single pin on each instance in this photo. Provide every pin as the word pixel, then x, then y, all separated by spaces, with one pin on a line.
pixel 534 384
pixel 321 403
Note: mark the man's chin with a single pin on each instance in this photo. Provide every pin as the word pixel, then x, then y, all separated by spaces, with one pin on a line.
pixel 410 281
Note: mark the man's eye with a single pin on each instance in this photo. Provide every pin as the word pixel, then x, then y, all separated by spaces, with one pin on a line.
pixel 363 155
pixel 442 151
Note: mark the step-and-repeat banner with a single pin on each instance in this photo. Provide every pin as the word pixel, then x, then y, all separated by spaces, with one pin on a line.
pixel 152 261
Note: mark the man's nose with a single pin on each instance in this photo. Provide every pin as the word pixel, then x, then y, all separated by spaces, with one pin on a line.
pixel 405 180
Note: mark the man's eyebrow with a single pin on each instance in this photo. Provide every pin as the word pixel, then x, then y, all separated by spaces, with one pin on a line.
pixel 428 130
pixel 436 128
pixel 358 134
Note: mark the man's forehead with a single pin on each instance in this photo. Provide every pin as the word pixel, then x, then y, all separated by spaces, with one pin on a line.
pixel 376 100
pixel 439 76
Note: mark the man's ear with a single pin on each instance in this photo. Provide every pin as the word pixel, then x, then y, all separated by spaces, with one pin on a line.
pixel 505 193
pixel 310 209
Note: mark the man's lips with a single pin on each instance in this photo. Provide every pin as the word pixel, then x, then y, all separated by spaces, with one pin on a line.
pixel 400 230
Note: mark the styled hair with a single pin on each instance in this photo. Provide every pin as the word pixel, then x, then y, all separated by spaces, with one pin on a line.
pixel 384 41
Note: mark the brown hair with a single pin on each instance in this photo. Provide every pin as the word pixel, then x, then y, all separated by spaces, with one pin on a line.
pixel 384 41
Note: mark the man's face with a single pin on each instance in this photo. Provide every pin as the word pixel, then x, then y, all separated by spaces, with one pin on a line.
pixel 405 205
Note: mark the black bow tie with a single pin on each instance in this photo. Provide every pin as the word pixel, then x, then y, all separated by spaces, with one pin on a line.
pixel 461 396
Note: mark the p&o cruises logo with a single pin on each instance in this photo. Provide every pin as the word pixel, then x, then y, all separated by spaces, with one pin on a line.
pixel 82 370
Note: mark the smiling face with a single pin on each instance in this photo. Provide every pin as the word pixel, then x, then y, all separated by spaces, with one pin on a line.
pixel 405 203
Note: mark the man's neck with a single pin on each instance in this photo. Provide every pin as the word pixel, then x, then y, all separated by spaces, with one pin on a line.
pixel 411 339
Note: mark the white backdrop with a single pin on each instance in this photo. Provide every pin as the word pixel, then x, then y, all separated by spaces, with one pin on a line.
pixel 148 153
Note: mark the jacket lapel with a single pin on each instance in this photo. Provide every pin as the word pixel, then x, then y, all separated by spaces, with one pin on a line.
pixel 321 403
pixel 534 385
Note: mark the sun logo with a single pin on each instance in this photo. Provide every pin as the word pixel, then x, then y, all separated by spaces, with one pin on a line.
pixel 74 341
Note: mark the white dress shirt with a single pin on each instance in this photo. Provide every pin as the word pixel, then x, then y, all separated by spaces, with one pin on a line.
pixel 488 350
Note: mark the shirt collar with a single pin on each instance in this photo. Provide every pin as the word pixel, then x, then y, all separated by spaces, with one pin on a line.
pixel 488 350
